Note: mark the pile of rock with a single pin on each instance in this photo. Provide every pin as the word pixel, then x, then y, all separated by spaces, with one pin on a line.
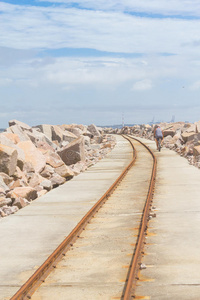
pixel 184 138
pixel 34 160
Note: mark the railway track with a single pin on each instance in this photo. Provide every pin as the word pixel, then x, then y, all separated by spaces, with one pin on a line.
pixel 101 257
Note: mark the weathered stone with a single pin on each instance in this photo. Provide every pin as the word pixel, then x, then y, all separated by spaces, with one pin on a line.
pixel 28 193
pixel 46 184
pixel 57 133
pixel 18 131
pixel 47 172
pixel 53 159
pixel 11 136
pixel 197 126
pixel 36 137
pixel 8 210
pixel 196 150
pixel 35 179
pixel 64 171
pixel 57 180
pixel 170 132
pixel 8 159
pixel 2 213
pixel 93 129
pixel 69 136
pixel 17 183
pixel 7 179
pixel 41 193
pixel 20 124
pixel 28 167
pixel 33 155
pixel 46 129
pixel 87 140
pixel 73 152
pixel 45 146
pixel 20 202
pixel 188 136
pixel 5 201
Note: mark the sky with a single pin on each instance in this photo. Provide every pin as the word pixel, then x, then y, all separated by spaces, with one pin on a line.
pixel 86 61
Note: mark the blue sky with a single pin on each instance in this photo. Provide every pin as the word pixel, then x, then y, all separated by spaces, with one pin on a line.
pixel 90 62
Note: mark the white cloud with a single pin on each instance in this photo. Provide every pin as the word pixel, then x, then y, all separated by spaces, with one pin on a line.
pixel 165 7
pixel 53 28
pixel 142 85
pixel 195 85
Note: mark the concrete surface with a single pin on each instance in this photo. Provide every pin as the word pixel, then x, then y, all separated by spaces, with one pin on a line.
pixel 96 266
pixel 172 255
pixel 29 236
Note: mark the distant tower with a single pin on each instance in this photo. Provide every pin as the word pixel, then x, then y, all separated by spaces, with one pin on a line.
pixel 122 120
pixel 173 119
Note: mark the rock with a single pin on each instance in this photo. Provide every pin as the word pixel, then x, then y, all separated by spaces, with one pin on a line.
pixel 47 172
pixel 46 184
pixel 5 201
pixel 28 167
pixel 18 123
pixel 69 136
pixel 33 155
pixel 46 129
pixel 188 136
pixel 57 180
pixel 35 179
pixel 93 129
pixel 7 179
pixel 197 124
pixel 37 137
pixel 11 136
pixel 170 132
pixel 28 193
pixel 8 210
pixel 42 193
pixel 20 202
pixel 57 133
pixel 53 159
pixel 73 152
pixel 64 171
pixel 45 146
pixel 18 131
pixel 2 214
pixel 8 160
pixel 196 150
pixel 17 183
pixel 87 140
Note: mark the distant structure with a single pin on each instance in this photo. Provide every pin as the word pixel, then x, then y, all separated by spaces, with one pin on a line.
pixel 152 122
pixel 173 119
pixel 122 120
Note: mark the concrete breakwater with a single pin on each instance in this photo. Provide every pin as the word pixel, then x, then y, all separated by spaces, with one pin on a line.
pixel 182 137
pixel 34 160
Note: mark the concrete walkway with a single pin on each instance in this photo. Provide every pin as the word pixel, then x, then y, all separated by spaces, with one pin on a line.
pixel 29 236
pixel 172 254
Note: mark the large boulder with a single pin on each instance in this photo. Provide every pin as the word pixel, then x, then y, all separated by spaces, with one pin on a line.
pixel 170 132
pixel 16 129
pixel 8 160
pixel 93 129
pixel 73 152
pixel 4 140
pixel 69 136
pixel 53 159
pixel 27 192
pixel 11 136
pixel 197 124
pixel 188 136
pixel 18 123
pixel 3 186
pixel 46 129
pixel 57 180
pixel 33 155
pixel 64 171
pixel 57 133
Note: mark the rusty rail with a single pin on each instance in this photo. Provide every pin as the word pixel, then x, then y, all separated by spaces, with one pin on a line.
pixel 135 263
pixel 42 272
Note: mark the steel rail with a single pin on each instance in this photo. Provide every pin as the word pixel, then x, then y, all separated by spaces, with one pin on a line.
pixel 135 264
pixel 29 287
